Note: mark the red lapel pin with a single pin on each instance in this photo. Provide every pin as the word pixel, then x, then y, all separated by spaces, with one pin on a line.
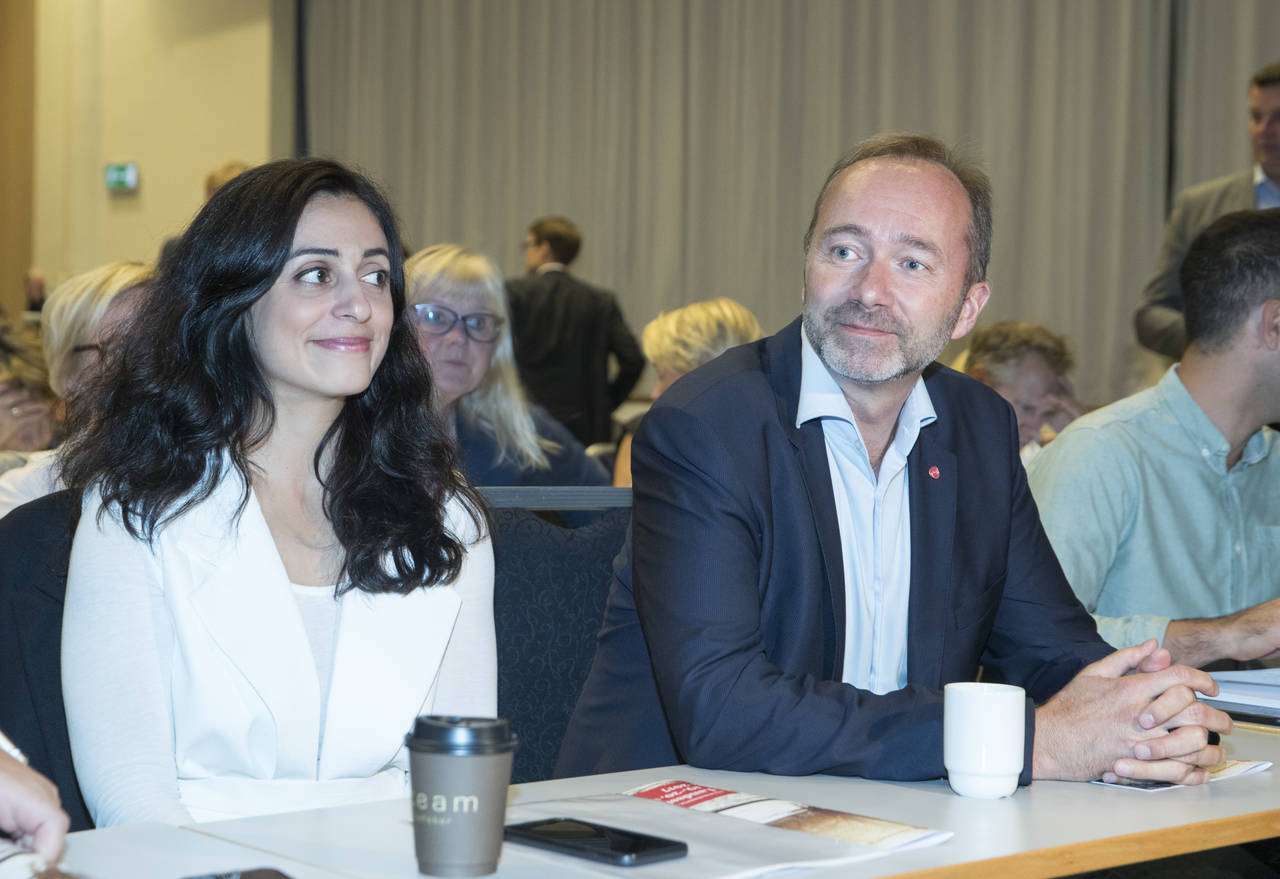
pixel 934 472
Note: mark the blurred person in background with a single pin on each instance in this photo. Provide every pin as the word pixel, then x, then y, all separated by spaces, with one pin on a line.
pixel 565 331
pixel 79 320
pixel 222 175
pixel 678 342
pixel 33 288
pixel 457 304
pixel 26 401
pixel 213 181
pixel 1027 364
pixel 1159 321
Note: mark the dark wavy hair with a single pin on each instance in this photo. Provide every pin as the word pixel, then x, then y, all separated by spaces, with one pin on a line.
pixel 182 393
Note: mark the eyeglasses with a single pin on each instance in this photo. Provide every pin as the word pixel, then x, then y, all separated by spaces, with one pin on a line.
pixel 438 320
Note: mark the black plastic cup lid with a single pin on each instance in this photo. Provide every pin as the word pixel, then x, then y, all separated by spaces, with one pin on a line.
pixel 440 734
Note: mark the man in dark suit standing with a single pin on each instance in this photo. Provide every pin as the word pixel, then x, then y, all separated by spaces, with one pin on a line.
pixel 564 331
pixel 829 527
pixel 1158 321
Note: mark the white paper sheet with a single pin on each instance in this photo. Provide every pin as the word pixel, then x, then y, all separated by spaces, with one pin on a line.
pixel 719 847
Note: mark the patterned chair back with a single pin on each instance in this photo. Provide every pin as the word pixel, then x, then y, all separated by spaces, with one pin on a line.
pixel 549 595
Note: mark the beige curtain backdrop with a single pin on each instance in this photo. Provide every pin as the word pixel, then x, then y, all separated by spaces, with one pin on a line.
pixel 688 138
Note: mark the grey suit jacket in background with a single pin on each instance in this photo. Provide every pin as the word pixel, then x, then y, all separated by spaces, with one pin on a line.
pixel 1159 320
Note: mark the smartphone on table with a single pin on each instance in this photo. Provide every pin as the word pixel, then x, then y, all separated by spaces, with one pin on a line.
pixel 596 842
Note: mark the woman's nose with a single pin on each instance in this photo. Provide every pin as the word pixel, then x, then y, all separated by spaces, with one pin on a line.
pixel 353 301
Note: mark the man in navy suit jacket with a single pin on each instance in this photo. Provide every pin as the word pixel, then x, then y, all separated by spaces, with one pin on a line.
pixel 769 617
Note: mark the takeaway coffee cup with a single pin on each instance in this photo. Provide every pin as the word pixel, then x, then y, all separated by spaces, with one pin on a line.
pixel 460 768
pixel 983 728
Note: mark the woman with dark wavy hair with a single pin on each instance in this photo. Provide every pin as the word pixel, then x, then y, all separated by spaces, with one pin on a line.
pixel 277 566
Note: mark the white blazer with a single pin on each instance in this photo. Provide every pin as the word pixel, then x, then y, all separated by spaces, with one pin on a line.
pixel 189 682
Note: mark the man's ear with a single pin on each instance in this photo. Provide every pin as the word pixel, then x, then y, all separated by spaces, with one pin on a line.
pixel 975 299
pixel 1269 326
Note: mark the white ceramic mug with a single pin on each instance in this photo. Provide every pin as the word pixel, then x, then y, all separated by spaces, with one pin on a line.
pixel 983 732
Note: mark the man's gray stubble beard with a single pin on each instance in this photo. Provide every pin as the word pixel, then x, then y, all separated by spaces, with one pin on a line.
pixel 816 325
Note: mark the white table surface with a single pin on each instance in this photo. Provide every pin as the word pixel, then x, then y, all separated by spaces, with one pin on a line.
pixel 1049 828
pixel 159 851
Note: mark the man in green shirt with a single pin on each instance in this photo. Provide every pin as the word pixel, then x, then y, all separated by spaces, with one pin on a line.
pixel 1164 507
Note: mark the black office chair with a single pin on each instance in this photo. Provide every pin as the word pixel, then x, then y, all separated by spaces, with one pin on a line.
pixel 550 587
pixel 35 545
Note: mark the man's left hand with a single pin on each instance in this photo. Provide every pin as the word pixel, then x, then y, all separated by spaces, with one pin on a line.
pixel 1131 714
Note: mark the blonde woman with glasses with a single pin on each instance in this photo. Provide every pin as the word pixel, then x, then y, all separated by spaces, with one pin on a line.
pixel 458 306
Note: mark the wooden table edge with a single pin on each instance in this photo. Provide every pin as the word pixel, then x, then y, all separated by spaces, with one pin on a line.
pixel 1267 728
pixel 1114 851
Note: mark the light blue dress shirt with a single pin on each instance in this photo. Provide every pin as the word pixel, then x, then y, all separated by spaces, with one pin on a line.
pixel 874 517
pixel 1266 194
pixel 1147 521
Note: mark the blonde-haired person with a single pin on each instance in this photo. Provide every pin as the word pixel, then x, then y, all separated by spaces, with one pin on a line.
pixel 678 342
pixel 78 320
pixel 458 305
pixel 213 181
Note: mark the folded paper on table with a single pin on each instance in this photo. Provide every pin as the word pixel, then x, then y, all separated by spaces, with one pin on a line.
pixel 875 832
pixel 719 846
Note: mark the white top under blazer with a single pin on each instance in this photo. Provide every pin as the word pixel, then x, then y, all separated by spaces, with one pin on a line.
pixel 190 687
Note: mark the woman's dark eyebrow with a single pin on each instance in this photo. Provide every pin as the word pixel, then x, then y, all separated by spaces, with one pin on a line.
pixel 329 251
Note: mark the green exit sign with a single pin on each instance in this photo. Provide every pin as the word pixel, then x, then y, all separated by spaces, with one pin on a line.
pixel 122 177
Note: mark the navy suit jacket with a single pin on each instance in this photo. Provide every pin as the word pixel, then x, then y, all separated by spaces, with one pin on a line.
pixel 723 638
